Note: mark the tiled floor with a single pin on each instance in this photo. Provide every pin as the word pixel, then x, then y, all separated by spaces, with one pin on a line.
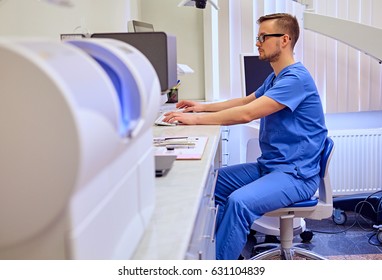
pixel 354 240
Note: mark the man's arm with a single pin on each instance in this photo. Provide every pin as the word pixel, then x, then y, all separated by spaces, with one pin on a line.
pixel 258 108
pixel 191 106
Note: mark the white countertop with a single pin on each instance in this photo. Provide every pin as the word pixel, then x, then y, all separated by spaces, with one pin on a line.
pixel 178 195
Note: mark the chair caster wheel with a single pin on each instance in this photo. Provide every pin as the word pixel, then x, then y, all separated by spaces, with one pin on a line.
pixel 306 236
pixel 339 217
pixel 379 236
pixel 271 239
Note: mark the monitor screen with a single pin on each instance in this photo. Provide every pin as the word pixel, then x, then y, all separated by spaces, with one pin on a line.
pixel 253 72
pixel 140 26
pixel 158 47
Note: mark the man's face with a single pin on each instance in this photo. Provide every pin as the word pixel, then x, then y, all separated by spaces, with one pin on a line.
pixel 270 49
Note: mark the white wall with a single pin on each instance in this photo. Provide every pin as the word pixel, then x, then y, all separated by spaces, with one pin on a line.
pixel 186 23
pixel 37 18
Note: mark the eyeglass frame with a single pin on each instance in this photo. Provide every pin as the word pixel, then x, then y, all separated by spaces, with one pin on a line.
pixel 261 38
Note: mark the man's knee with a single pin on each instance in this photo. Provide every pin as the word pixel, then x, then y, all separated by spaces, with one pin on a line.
pixel 234 199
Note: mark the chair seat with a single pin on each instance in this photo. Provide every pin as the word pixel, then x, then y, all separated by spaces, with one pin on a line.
pixel 305 203
pixel 298 209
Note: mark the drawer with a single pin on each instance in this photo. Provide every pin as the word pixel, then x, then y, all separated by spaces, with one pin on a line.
pixel 202 244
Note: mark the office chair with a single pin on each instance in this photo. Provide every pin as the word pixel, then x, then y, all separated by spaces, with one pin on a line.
pixel 316 208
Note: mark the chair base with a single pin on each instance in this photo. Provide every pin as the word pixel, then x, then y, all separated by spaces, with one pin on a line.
pixel 279 253
pixel 271 225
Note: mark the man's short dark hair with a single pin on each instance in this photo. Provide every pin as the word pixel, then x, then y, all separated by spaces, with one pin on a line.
pixel 285 23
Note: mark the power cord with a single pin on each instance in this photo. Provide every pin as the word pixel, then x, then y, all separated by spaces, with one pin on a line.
pixel 358 216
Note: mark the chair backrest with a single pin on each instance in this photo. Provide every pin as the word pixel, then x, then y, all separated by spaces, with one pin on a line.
pixel 326 156
pixel 325 193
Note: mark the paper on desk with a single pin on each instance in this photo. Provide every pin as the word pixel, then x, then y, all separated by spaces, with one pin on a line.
pixel 183 69
pixel 183 147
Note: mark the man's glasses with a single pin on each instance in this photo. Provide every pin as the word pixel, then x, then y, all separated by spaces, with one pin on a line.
pixel 262 37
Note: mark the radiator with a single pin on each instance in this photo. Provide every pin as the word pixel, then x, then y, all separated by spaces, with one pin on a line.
pixel 356 165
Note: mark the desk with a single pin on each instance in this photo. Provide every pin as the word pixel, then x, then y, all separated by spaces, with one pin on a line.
pixel 181 200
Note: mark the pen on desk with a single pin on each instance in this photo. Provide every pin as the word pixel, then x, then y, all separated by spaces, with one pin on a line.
pixel 176 137
pixel 174 143
pixel 173 147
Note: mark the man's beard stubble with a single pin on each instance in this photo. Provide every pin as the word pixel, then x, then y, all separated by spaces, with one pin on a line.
pixel 273 57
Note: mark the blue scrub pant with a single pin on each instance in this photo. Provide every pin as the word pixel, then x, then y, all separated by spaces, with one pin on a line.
pixel 244 193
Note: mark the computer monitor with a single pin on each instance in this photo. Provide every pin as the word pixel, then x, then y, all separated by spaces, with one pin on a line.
pixel 158 47
pixel 140 26
pixel 253 72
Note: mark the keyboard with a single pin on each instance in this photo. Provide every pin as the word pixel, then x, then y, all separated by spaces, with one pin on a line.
pixel 159 121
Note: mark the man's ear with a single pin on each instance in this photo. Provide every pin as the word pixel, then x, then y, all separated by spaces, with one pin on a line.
pixel 286 40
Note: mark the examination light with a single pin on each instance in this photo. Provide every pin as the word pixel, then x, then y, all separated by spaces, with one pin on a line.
pixel 200 4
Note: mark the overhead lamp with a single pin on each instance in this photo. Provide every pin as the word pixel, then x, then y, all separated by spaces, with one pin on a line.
pixel 307 3
pixel 200 4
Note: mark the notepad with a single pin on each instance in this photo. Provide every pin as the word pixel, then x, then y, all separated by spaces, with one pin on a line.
pixel 181 146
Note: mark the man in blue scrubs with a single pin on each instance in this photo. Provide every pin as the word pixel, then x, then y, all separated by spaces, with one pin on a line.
pixel 292 136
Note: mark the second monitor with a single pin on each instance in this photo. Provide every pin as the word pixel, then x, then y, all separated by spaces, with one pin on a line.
pixel 253 72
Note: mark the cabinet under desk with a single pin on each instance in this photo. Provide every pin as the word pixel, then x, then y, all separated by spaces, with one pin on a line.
pixel 182 224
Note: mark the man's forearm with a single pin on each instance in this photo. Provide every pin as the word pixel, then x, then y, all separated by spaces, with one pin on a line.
pixel 219 106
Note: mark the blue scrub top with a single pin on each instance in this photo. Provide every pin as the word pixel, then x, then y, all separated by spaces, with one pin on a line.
pixel 291 140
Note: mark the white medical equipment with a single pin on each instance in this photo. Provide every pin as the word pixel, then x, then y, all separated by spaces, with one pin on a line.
pixel 76 156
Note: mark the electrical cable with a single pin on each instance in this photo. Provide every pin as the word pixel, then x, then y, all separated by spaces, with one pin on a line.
pixel 358 216
pixel 334 232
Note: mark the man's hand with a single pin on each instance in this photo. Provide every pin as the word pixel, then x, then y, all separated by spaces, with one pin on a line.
pixel 180 117
pixel 190 106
